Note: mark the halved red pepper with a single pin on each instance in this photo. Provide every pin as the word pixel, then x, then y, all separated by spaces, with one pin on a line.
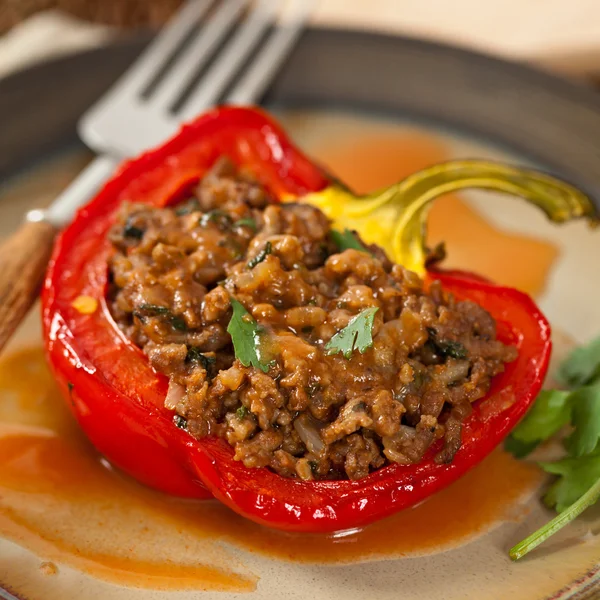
pixel 118 398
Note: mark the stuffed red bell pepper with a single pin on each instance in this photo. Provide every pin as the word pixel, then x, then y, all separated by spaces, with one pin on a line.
pixel 226 320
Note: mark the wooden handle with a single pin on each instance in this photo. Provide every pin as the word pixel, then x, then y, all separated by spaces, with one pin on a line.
pixel 23 260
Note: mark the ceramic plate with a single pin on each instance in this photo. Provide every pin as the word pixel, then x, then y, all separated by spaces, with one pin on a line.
pixel 372 108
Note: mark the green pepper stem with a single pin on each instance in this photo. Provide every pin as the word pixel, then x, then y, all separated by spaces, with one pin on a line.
pixel 403 207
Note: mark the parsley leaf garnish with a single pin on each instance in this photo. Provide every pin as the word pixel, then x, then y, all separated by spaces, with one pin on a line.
pixel 577 486
pixel 347 240
pixel 247 337
pixel 577 476
pixel 582 367
pixel 519 448
pixel 357 335
pixel 551 411
pixel 585 418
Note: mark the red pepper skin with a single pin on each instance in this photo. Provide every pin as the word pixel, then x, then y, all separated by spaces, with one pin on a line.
pixel 119 400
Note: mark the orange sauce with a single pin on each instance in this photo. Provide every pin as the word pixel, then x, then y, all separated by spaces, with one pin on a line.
pixel 374 161
pixel 59 499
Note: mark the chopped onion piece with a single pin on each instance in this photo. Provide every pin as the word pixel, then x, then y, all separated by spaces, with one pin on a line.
pixel 175 395
pixel 308 430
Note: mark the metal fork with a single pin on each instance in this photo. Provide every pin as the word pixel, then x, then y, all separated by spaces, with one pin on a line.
pixel 210 52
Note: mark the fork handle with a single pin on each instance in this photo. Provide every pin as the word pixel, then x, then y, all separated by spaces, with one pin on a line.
pixel 25 254
pixel 23 260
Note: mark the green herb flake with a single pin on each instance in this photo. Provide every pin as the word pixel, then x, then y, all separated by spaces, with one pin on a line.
pixel 153 310
pixel 347 240
pixel 70 387
pixel 312 388
pixel 268 249
pixel 323 252
pixel 453 349
pixel 143 311
pixel 585 418
pixel 180 421
pixel 247 337
pixel 234 248
pixel 220 218
pixel 248 222
pixel 447 348
pixel 194 355
pixel 178 323
pixel 187 207
pixel 241 413
pixel 357 335
pixel 133 232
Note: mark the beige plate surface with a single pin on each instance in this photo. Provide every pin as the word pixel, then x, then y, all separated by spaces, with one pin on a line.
pixel 476 570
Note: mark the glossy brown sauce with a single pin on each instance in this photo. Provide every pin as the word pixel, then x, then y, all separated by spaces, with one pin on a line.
pixel 108 526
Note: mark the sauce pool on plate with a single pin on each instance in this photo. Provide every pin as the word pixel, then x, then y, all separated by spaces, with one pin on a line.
pixel 109 526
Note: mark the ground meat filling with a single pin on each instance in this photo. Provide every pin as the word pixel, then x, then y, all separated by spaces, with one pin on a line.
pixel 312 415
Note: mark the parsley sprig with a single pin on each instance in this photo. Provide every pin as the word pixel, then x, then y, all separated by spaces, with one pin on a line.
pixel 357 335
pixel 248 338
pixel 577 486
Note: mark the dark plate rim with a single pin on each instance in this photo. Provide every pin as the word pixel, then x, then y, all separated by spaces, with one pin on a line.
pixel 535 93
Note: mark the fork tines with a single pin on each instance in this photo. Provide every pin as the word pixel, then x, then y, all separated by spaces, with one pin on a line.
pixel 204 49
